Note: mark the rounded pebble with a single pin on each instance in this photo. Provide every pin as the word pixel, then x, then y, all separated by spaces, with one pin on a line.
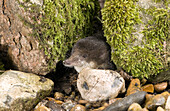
pixel 160 86
pixel 82 101
pixel 165 94
pixel 78 107
pixel 134 107
pixel 42 108
pixel 155 102
pixel 133 87
pixel 148 97
pixel 148 88
pixel 88 105
pixel 167 105
pixel 58 95
pixel 160 109
pixel 99 109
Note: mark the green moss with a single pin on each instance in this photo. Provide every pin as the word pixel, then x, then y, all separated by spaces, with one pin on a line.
pixel 156 33
pixel 119 19
pixel 58 24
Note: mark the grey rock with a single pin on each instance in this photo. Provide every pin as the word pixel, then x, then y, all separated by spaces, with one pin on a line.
pixel 123 104
pixel 97 84
pixel 21 91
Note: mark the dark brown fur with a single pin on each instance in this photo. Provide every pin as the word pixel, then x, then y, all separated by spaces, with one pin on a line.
pixel 90 52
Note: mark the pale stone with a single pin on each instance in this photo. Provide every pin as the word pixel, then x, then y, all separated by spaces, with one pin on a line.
pixel 134 107
pixel 97 84
pixel 78 107
pixel 20 91
pixel 167 106
pixel 160 109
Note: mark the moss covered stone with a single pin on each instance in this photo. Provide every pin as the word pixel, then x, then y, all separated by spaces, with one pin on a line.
pixel 58 24
pixel 148 57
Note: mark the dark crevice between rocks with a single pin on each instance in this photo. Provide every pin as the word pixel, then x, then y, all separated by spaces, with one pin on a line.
pixel 63 78
pixel 3 11
pixel 20 36
pixel 3 7
pixel 5 58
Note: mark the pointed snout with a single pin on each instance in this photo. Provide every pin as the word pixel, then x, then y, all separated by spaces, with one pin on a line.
pixel 66 62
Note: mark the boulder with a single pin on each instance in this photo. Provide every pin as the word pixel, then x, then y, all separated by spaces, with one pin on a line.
pixel 21 91
pixel 97 84
pixel 18 49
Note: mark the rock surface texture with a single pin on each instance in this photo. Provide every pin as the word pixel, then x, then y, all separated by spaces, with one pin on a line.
pixel 123 104
pixel 96 84
pixel 17 47
pixel 21 91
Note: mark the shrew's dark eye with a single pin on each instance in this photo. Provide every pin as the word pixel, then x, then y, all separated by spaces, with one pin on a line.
pixel 84 56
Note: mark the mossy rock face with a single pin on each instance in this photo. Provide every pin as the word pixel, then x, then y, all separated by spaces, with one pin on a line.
pixel 58 24
pixel 138 35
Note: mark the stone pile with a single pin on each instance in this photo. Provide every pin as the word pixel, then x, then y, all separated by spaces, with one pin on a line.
pixel 140 96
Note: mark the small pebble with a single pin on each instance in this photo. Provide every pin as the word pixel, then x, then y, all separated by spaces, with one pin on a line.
pixel 133 87
pixel 148 88
pixel 78 107
pixel 155 102
pixel 167 105
pixel 88 105
pixel 105 104
pixel 165 94
pixel 82 101
pixel 54 106
pixel 76 98
pixel 72 96
pixel 99 109
pixel 160 86
pixel 42 108
pixel 148 97
pixel 68 105
pixel 58 96
pixel 134 107
pixel 160 109
pixel 41 103
pixel 59 102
